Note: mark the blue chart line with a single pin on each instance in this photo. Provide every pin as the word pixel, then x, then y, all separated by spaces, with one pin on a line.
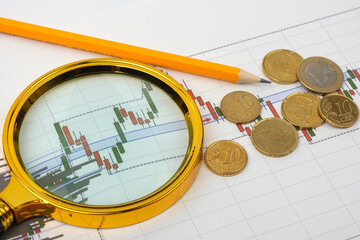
pixel 58 171
pixel 122 138
pixel 107 143
pixel 157 130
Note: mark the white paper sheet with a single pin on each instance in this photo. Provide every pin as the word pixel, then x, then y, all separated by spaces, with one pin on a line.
pixel 313 193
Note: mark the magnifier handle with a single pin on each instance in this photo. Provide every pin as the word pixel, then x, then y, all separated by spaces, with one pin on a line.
pixel 6 216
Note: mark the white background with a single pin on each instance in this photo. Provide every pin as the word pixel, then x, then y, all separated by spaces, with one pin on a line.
pixel 314 193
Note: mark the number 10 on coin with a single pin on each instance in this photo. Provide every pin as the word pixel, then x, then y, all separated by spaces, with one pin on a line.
pixel 225 158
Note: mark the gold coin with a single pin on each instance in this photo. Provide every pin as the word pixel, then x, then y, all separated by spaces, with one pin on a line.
pixel 225 158
pixel 339 110
pixel 302 109
pixel 240 107
pixel 274 137
pixel 320 75
pixel 280 66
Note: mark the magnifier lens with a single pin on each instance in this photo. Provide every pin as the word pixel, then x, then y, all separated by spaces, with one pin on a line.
pixel 103 139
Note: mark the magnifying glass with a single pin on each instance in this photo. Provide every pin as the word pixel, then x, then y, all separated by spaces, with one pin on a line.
pixel 100 143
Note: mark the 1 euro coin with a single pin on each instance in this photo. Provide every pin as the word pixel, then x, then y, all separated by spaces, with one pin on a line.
pixel 320 75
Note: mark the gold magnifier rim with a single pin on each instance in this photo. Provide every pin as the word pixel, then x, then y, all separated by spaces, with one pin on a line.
pixel 95 215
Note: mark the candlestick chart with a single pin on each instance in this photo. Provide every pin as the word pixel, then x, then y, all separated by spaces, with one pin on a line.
pixel 79 147
pixel 108 156
pixel 120 142
pixel 271 105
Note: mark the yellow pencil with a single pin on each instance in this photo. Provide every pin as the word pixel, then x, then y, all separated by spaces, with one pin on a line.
pixel 111 48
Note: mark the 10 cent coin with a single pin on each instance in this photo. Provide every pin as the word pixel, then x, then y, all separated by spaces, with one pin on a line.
pixel 225 158
pixel 338 110
pixel 240 107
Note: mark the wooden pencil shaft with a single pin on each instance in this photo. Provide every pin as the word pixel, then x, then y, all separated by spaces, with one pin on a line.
pixel 111 48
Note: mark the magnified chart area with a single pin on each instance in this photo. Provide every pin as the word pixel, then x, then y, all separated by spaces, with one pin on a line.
pixel 103 139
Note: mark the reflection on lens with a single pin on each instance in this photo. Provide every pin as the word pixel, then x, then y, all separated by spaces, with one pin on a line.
pixel 103 139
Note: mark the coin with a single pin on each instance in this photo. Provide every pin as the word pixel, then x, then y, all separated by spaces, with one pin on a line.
pixel 338 110
pixel 320 75
pixel 240 107
pixel 302 109
pixel 274 137
pixel 280 66
pixel 225 158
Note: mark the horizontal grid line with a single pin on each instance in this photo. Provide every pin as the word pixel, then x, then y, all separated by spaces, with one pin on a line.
pixel 297 183
pixel 276 31
pixel 284 188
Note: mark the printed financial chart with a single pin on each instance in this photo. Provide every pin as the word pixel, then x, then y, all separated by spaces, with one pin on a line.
pixel 81 139
pixel 313 193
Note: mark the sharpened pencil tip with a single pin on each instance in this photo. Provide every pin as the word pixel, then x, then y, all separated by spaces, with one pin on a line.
pixel 264 81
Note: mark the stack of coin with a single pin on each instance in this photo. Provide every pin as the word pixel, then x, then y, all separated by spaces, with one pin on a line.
pixel 319 75
pixel 276 137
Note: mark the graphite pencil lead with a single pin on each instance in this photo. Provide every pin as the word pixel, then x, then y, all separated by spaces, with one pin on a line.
pixel 264 80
